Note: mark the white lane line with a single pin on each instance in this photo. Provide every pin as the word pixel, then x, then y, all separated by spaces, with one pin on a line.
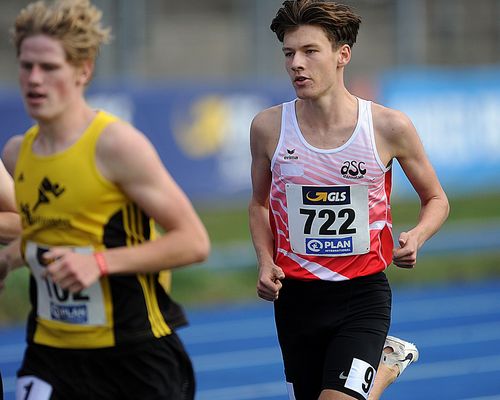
pixel 223 331
pixel 454 335
pixel 495 397
pixel 268 356
pixel 244 392
pixel 444 369
pixel 237 359
pixel 269 389
pixel 417 372
pixel 449 336
pixel 446 308
pixel 404 311
pixel 410 311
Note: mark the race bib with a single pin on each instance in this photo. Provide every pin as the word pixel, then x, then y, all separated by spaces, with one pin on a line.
pixel 328 220
pixel 30 387
pixel 56 304
pixel 360 378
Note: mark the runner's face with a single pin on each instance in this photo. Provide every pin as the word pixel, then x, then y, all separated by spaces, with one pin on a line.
pixel 49 83
pixel 310 61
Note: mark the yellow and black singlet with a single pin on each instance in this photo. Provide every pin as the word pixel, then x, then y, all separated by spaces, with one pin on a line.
pixel 65 201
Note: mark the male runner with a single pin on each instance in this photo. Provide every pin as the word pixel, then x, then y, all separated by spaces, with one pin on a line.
pixel 10 224
pixel 320 212
pixel 89 188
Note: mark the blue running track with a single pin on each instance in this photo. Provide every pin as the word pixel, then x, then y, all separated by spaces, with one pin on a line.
pixel 236 355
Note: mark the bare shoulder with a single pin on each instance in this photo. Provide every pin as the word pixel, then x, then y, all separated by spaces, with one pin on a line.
pixel 390 123
pixel 10 152
pixel 119 139
pixel 123 148
pixel 265 129
pixel 394 133
pixel 268 119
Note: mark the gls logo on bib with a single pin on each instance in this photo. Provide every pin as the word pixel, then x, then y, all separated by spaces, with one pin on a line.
pixel 326 195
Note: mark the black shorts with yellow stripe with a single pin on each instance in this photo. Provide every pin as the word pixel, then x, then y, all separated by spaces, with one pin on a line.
pixel 148 370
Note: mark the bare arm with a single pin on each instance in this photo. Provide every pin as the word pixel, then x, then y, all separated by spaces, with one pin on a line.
pixel 10 223
pixel 136 167
pixel 10 259
pixel 127 158
pixel 401 141
pixel 263 138
pixel 10 153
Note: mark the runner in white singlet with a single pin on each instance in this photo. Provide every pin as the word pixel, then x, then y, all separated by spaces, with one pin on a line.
pixel 320 213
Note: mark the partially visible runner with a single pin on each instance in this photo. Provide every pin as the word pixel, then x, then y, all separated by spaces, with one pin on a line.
pixel 320 213
pixel 89 188
pixel 10 223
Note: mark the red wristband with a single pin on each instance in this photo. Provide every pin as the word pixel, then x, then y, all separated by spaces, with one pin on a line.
pixel 101 263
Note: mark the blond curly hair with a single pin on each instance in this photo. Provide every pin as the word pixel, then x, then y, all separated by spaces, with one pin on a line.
pixel 76 23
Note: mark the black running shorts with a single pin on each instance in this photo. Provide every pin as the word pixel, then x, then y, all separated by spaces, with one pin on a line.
pixel 332 334
pixel 149 370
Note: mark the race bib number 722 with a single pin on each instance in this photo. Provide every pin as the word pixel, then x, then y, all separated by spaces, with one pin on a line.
pixel 328 220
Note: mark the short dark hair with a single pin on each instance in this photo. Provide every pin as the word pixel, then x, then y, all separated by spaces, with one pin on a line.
pixel 340 22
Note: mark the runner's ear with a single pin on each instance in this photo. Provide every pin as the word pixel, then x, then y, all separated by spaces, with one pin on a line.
pixel 344 55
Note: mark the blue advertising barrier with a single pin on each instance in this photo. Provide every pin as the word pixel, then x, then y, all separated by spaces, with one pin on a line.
pixel 457 114
pixel 201 130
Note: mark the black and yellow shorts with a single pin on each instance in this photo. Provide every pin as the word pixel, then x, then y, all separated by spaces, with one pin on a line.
pixel 148 370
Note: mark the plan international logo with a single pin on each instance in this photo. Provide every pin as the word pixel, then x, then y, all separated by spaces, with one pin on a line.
pixel 329 246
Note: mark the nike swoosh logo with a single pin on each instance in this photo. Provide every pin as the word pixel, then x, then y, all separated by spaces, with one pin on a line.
pixel 342 375
pixel 408 357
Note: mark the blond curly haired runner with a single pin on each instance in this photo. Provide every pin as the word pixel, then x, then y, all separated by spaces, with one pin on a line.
pixel 89 188
pixel 75 23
